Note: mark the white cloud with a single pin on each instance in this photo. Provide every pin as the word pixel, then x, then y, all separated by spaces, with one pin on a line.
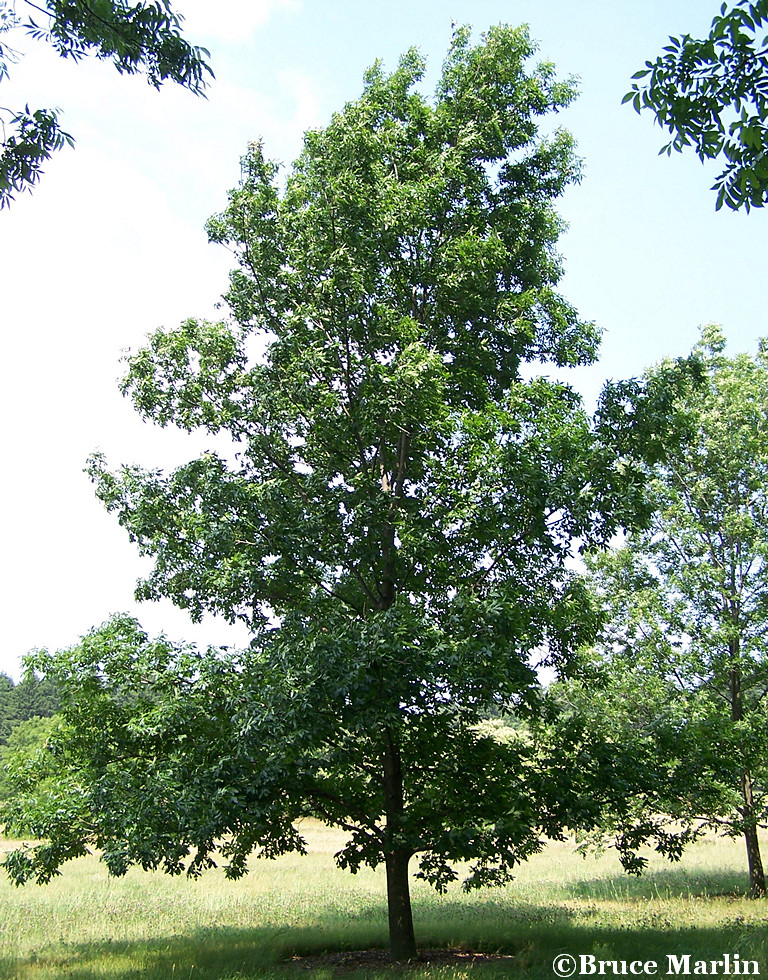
pixel 229 20
pixel 90 263
pixel 110 246
pixel 303 92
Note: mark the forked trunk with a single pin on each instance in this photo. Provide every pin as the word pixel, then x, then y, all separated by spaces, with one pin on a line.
pixel 402 941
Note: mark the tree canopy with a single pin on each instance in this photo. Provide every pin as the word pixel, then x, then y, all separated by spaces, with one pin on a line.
pixel 712 94
pixel 143 38
pixel 687 615
pixel 392 515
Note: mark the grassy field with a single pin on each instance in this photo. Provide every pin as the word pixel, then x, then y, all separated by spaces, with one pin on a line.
pixel 85 925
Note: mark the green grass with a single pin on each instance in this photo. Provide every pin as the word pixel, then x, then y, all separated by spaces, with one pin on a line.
pixel 86 925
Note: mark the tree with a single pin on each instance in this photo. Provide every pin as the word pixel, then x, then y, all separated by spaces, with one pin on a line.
pixel 687 605
pixel 393 520
pixel 26 740
pixel 138 37
pixel 35 696
pixel 32 696
pixel 7 706
pixel 632 741
pixel 712 94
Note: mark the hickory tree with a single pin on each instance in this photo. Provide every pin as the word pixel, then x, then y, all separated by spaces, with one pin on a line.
pixel 393 522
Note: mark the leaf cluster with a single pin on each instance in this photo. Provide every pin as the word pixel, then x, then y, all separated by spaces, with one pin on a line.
pixel 712 94
pixel 141 37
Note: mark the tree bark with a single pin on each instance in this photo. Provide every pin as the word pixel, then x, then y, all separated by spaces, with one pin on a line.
pixel 402 940
pixel 754 860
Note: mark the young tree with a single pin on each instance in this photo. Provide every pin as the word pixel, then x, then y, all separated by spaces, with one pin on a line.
pixel 395 523
pixel 138 37
pixel 687 605
pixel 712 94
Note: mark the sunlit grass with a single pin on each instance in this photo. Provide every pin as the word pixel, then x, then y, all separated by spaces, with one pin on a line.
pixel 85 925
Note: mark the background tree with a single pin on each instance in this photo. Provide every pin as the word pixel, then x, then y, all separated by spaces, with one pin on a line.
pixel 7 707
pixel 687 614
pixel 26 711
pixel 36 696
pixel 393 521
pixel 712 94
pixel 137 37
pixel 32 696
pixel 641 766
pixel 26 739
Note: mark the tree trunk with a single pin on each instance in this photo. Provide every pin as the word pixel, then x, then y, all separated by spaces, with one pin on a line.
pixel 754 861
pixel 402 940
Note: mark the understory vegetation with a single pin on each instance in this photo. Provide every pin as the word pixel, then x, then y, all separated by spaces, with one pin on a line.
pixel 86 925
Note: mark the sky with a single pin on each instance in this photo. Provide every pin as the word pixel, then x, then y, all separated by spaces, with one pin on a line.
pixel 112 245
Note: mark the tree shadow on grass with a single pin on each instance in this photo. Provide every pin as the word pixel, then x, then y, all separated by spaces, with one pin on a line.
pixel 532 934
pixel 201 954
pixel 632 931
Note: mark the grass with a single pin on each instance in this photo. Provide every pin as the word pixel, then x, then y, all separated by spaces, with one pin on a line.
pixel 86 925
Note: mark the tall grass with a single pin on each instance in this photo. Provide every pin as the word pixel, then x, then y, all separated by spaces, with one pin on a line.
pixel 85 925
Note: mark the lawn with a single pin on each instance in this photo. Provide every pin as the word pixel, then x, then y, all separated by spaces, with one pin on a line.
pixel 86 925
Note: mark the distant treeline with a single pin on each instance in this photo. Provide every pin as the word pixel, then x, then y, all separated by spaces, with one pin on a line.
pixel 29 698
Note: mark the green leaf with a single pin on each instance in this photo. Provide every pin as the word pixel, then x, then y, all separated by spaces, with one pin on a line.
pixel 397 528
pixel 143 38
pixel 693 88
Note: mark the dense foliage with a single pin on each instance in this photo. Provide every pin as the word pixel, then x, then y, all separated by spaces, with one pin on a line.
pixel 712 93
pixel 32 696
pixel 26 711
pixel 393 521
pixel 26 740
pixel 687 621
pixel 138 37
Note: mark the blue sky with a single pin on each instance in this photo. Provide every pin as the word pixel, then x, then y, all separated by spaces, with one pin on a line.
pixel 112 245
